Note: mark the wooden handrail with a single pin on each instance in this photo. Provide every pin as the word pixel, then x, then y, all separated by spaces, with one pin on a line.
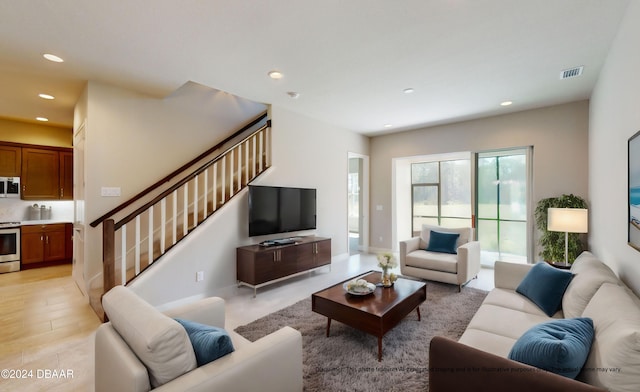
pixel 178 171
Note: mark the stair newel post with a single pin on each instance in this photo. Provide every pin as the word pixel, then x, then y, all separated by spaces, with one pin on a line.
pixel 108 254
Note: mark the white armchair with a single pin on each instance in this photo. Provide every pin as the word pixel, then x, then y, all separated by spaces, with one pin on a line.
pixel 451 268
pixel 272 363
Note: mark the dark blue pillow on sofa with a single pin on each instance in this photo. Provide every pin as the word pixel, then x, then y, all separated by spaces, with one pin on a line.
pixel 443 242
pixel 209 343
pixel 545 285
pixel 560 346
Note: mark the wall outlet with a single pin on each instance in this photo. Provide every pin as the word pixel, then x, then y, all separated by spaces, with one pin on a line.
pixel 199 276
pixel 380 238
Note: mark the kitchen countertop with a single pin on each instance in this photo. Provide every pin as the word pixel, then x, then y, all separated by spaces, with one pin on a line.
pixel 43 222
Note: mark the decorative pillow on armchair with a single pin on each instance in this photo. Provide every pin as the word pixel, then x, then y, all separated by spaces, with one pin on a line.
pixel 443 242
pixel 209 343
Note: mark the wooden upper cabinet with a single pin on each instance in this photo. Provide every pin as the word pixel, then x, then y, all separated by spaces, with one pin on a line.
pixel 10 161
pixel 66 175
pixel 40 179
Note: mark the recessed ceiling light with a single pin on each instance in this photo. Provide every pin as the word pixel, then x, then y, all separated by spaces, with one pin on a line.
pixel 388 125
pixel 293 94
pixel 43 119
pixel 506 103
pixel 275 75
pixel 53 57
pixel 46 96
pixel 408 90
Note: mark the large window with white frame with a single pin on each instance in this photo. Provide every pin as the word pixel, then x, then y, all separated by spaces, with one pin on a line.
pixel 441 193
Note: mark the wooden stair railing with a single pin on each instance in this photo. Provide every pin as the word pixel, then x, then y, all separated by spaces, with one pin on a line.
pixel 134 242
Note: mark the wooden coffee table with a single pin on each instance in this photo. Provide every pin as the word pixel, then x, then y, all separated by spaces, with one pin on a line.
pixel 375 313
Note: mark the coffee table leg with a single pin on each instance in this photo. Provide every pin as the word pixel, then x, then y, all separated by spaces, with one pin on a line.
pixel 328 325
pixel 379 348
pixel 418 309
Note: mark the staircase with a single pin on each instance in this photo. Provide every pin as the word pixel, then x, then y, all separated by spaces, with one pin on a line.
pixel 138 233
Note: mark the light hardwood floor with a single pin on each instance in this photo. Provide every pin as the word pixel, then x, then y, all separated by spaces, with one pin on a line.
pixel 47 325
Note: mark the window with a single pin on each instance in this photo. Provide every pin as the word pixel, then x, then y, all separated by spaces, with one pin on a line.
pixel 502 195
pixel 441 193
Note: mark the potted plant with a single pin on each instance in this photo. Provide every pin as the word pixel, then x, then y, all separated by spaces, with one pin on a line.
pixel 552 242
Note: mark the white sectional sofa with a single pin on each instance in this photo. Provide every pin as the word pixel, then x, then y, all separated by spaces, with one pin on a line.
pixel 479 360
pixel 140 345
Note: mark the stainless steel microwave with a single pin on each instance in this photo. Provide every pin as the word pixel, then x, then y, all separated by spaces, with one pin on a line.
pixel 9 186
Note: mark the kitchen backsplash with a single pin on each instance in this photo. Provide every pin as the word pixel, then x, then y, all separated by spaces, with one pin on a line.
pixel 16 210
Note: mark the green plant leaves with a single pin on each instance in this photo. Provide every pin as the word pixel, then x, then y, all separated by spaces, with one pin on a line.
pixel 552 242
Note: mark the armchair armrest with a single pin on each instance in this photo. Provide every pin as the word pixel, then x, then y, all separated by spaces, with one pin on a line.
pixel 208 311
pixel 116 367
pixel 509 275
pixel 272 363
pixel 408 246
pixel 454 366
pixel 468 260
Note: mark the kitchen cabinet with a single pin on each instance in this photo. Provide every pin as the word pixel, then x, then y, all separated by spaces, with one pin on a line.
pixel 45 243
pixel 10 161
pixel 47 174
pixel 66 175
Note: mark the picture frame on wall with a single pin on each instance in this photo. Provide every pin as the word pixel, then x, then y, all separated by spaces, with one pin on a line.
pixel 633 158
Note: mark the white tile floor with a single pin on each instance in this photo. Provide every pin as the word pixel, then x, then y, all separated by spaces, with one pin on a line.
pixel 242 308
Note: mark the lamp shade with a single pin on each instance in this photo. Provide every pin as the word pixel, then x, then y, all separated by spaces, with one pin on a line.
pixel 568 220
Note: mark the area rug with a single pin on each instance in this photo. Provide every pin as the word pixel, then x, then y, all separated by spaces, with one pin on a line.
pixel 347 360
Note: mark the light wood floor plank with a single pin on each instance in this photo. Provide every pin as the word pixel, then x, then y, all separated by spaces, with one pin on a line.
pixel 46 323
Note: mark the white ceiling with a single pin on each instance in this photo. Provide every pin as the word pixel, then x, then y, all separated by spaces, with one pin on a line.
pixel 349 59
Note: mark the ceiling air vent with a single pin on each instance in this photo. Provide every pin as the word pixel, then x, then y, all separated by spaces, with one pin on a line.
pixel 571 73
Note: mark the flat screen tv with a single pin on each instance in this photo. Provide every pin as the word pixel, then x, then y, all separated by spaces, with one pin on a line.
pixel 274 210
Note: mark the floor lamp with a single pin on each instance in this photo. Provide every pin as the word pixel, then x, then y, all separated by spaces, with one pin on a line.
pixel 568 220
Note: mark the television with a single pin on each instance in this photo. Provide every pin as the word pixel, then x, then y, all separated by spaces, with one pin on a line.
pixel 274 210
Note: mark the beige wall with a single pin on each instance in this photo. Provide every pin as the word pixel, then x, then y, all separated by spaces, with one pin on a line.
pixel 558 134
pixel 306 153
pixel 614 117
pixel 31 133
pixel 133 140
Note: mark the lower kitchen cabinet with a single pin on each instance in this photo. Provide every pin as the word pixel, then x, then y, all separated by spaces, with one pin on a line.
pixel 45 244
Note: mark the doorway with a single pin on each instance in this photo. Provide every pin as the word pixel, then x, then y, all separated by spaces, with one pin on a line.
pixel 357 203
pixel 78 201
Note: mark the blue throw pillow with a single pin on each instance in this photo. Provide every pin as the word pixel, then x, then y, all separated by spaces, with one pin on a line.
pixel 443 242
pixel 209 343
pixel 560 346
pixel 545 285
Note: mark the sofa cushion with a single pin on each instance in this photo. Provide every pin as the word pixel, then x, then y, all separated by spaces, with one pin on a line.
pixel 488 341
pixel 512 300
pixel 443 242
pixel 559 346
pixel 589 274
pixel 504 321
pixel 209 343
pixel 545 286
pixel 435 261
pixel 614 361
pixel 466 234
pixel 160 343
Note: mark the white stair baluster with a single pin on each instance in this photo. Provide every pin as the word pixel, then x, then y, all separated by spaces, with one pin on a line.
pixel 137 247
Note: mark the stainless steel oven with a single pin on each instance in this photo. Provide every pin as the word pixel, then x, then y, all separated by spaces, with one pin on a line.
pixel 9 246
